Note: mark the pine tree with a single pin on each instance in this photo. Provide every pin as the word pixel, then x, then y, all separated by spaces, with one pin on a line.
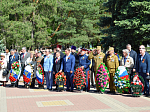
pixel 129 23
pixel 78 19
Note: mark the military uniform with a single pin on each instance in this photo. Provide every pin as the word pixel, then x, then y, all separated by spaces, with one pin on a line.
pixel 112 64
pixel 98 59
pixel 84 61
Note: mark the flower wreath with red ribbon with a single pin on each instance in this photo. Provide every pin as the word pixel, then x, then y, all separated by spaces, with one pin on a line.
pixel 79 79
pixel 60 77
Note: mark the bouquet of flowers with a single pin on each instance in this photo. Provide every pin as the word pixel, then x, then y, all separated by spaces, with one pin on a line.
pixel 15 72
pixel 15 65
pixel 79 78
pixel 137 85
pixel 40 75
pixel 60 77
pixel 1 63
pixel 102 77
pixel 122 80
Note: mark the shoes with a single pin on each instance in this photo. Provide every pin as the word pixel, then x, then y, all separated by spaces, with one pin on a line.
pixel 50 89
pixel 55 89
pixel 71 91
pixel 87 91
pixel 67 89
pixel 147 95
pixel 109 92
pixel 12 86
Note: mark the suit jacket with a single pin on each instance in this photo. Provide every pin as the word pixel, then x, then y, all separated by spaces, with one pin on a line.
pixel 84 61
pixel 143 65
pixel 133 54
pixel 57 66
pixel 48 63
pixel 23 59
pixel 12 59
pixel 129 63
pixel 68 65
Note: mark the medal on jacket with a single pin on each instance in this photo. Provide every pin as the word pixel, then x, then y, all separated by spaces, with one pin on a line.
pixel 112 60
pixel 143 60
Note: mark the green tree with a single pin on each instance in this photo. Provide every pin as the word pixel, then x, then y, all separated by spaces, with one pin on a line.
pixel 130 23
pixel 78 19
pixel 27 22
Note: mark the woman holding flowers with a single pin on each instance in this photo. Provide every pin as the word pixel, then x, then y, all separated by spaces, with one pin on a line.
pixel 3 66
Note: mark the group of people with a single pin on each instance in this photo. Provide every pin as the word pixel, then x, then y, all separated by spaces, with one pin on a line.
pixel 89 60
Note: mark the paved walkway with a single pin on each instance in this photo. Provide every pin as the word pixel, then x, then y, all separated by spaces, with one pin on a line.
pixel 40 100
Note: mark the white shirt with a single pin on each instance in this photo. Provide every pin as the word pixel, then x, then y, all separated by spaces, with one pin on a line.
pixel 12 57
pixel 142 57
pixel 67 57
pixel 46 57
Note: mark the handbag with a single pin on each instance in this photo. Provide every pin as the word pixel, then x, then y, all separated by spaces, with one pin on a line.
pixel 5 72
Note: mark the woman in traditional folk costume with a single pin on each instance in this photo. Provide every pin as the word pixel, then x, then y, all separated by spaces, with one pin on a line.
pixel 3 66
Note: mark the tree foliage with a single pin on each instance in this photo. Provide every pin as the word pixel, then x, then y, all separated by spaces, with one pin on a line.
pixel 130 23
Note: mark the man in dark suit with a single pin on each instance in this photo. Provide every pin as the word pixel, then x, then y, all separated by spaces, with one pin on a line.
pixel 84 63
pixel 57 64
pixel 58 48
pixel 73 52
pixel 68 63
pixel 143 67
pixel 12 58
pixel 132 54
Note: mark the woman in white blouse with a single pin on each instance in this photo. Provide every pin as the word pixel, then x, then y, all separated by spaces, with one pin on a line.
pixel 3 66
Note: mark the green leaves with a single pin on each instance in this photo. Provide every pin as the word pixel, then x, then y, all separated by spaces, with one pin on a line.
pixel 129 24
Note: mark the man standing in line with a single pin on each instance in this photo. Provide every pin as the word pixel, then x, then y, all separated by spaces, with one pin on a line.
pixel 143 67
pixel 68 63
pixel 57 64
pixel 48 66
pixel 98 58
pixel 23 58
pixel 112 64
pixel 12 58
pixel 84 63
pixel 132 54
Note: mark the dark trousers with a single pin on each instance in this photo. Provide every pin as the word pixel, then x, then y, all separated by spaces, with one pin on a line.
pixel 33 82
pixel 92 77
pixel 69 81
pixel 146 88
pixel 87 81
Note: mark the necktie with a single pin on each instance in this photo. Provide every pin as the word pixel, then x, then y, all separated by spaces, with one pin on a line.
pixel 23 56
